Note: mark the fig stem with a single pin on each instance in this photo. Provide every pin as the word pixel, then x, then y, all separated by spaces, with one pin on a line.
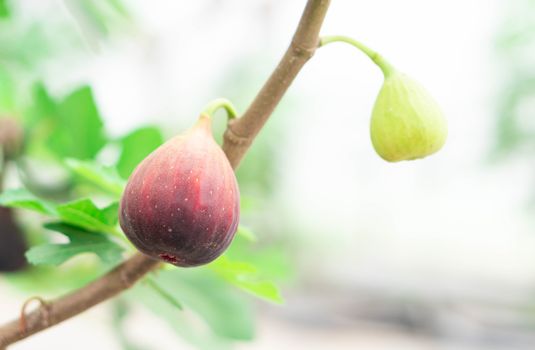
pixel 218 103
pixel 385 66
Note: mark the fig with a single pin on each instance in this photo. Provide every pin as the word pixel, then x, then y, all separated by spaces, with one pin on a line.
pixel 406 121
pixel 181 203
pixel 12 243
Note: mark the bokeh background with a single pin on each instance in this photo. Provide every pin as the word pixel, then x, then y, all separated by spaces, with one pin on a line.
pixel 430 254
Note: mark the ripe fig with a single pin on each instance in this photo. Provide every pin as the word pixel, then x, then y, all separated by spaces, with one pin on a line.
pixel 406 121
pixel 181 204
pixel 12 243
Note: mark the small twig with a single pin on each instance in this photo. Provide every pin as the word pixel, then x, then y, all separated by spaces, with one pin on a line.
pixel 43 307
pixel 114 282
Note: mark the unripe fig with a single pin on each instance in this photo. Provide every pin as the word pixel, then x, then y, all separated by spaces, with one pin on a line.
pixel 406 121
pixel 181 204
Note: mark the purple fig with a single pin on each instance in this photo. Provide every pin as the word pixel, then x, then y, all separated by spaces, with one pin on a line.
pixel 181 204
pixel 12 243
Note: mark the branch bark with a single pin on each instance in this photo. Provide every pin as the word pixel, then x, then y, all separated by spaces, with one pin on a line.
pixel 241 132
pixel 119 279
pixel 238 137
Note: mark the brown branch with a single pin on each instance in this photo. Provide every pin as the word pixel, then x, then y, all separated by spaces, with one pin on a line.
pixel 119 279
pixel 238 138
pixel 241 132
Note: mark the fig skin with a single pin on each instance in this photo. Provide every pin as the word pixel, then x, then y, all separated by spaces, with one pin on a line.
pixel 181 204
pixel 407 123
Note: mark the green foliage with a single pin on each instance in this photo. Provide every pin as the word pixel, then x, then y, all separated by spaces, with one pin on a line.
pixel 102 177
pixel 515 43
pixel 163 293
pixel 55 280
pixel 21 198
pixel 228 316
pixel 80 241
pixel 136 146
pixel 271 260
pixel 111 214
pixel 4 9
pixel 247 272
pixel 246 277
pixel 101 15
pixel 85 214
pixel 71 128
pixel 246 233
pixel 81 221
pixel 511 131
pixel 121 310
pixel 43 108
pixel 79 132
pixel 7 89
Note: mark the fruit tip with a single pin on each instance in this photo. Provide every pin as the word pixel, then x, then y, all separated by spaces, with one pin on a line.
pixel 204 122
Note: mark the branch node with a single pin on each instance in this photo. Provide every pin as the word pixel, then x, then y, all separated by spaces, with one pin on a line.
pixel 301 51
pixel 232 137
pixel 43 308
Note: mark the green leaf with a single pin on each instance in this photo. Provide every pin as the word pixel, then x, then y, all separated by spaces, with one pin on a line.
pixel 84 213
pixel 44 105
pixel 76 128
pixel 120 316
pixel 54 280
pixel 22 198
pixel 271 260
pixel 93 16
pixel 246 277
pixel 103 177
pixel 228 315
pixel 163 293
pixel 136 146
pixel 7 88
pixel 248 204
pixel 119 7
pixel 246 233
pixel 4 9
pixel 111 213
pixel 69 128
pixel 81 241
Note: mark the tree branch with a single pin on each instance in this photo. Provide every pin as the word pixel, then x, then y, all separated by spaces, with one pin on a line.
pixel 119 279
pixel 241 132
pixel 238 138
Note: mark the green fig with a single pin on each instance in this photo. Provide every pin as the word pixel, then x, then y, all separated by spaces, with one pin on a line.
pixel 406 121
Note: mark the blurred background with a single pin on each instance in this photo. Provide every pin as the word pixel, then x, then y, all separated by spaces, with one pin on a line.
pixel 430 254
